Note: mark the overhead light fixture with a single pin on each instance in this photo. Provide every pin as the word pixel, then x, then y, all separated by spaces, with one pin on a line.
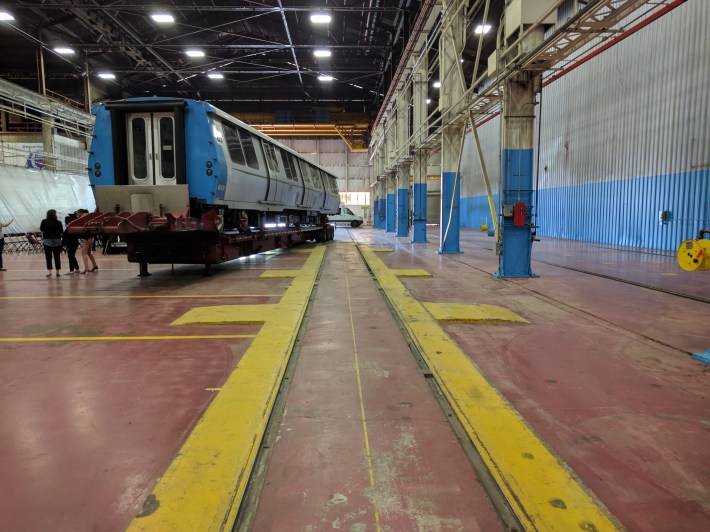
pixel 5 16
pixel 462 59
pixel 321 53
pixel 437 84
pixel 162 17
pixel 107 75
pixel 428 101
pixel 320 18
pixel 325 78
pixel 356 86
pixel 215 75
pixel 64 50
pixel 482 28
pixel 195 53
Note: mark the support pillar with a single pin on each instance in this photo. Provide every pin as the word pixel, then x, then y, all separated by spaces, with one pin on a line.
pixel 391 204
pixel 403 200
pixel 419 197
pixel 420 126
pixel 451 45
pixel 516 176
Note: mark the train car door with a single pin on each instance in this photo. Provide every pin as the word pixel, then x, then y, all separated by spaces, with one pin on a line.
pixel 151 148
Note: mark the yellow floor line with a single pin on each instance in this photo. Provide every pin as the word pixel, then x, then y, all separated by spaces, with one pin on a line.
pixel 540 488
pixel 278 274
pixel 114 338
pixel 461 313
pixel 204 485
pixel 410 272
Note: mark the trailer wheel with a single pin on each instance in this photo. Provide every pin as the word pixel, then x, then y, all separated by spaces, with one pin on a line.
pixel 354 223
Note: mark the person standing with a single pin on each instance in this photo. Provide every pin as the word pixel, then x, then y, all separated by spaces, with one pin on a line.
pixel 52 230
pixel 71 243
pixel 2 242
pixel 87 246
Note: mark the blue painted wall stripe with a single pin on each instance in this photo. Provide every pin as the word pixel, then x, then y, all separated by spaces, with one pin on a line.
pixel 623 212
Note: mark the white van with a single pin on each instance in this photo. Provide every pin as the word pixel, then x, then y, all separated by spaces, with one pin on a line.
pixel 345 216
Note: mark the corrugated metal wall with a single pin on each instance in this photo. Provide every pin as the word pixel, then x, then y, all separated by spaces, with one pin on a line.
pixel 352 169
pixel 623 137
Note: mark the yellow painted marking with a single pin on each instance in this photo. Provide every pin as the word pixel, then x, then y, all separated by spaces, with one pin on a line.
pixel 213 389
pixel 228 315
pixel 362 404
pixel 460 313
pixel 410 272
pixel 381 250
pixel 206 296
pixel 301 250
pixel 669 273
pixel 540 488
pixel 278 274
pixel 113 338
pixel 204 485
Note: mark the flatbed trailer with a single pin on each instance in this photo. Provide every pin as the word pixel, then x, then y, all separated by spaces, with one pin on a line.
pixel 169 240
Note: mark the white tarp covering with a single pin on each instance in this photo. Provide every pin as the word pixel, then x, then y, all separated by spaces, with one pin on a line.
pixel 27 194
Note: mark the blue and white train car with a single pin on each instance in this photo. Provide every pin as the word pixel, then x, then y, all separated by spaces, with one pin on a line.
pixel 165 167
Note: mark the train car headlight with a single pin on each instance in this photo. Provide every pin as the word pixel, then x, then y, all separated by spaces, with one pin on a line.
pixel 208 171
pixel 97 173
pixel 97 166
pixel 208 164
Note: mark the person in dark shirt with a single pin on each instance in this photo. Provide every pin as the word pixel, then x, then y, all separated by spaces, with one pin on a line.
pixel 52 230
pixel 71 243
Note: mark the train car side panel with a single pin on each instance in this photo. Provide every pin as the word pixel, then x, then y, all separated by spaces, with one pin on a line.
pixel 207 167
pixel 101 163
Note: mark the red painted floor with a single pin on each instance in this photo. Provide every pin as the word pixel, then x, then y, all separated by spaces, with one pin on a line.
pixel 87 427
pixel 319 476
pixel 602 373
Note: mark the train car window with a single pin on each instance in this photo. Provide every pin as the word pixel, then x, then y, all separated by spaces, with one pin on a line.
pixel 234 145
pixel 139 148
pixel 248 147
pixel 270 155
pixel 306 172
pixel 315 173
pixel 331 183
pixel 167 150
pixel 289 166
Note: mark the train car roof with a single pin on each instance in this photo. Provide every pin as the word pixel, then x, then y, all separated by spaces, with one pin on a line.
pixel 214 110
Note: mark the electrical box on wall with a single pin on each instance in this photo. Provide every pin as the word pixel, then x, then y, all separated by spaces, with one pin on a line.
pixel 664 216
pixel 508 211
pixel 521 12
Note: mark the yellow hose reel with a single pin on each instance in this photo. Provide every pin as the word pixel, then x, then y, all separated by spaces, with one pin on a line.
pixel 695 254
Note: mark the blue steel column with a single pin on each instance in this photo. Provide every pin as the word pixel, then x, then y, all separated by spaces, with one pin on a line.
pixel 451 91
pixel 516 181
pixel 391 204
pixel 375 208
pixel 450 201
pixel 402 151
pixel 420 127
pixel 403 201
pixel 419 193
